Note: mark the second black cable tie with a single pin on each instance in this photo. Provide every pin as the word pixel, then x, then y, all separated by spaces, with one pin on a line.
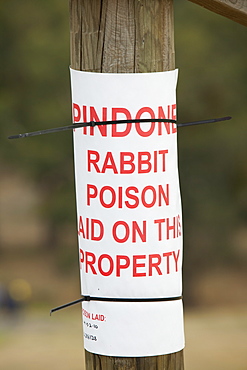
pixel 88 298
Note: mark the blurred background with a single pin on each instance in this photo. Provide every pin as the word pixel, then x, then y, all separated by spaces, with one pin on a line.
pixel 38 239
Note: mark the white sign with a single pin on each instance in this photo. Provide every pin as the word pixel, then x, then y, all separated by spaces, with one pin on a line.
pixel 129 212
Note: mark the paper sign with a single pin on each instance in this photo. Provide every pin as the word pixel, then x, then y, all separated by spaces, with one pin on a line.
pixel 129 212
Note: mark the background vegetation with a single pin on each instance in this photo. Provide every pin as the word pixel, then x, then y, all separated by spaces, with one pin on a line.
pixel 38 239
pixel 38 216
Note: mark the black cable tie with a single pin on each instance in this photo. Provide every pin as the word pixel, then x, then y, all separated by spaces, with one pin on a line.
pixel 88 298
pixel 204 121
pixel 94 123
pixel 91 124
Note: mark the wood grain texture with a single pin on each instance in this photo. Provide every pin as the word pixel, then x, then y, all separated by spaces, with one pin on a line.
pixel 173 361
pixel 235 10
pixel 124 36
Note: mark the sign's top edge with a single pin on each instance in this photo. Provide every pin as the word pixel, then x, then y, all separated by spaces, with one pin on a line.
pixel 122 74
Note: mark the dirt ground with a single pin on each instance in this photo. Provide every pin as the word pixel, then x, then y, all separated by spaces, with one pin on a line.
pixel 215 339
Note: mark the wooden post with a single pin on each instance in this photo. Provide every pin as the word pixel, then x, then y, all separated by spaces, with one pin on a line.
pixel 235 10
pixel 124 36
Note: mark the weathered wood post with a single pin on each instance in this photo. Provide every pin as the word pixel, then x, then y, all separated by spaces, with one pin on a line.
pixel 235 10
pixel 124 36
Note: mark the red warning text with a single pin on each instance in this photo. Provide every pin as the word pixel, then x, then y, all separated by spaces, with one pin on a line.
pixel 139 265
pixel 127 162
pixel 84 113
pixel 130 197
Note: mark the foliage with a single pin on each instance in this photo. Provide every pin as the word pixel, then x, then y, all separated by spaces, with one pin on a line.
pixel 211 56
pixel 35 94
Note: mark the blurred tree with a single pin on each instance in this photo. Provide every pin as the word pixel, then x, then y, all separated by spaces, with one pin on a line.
pixel 211 56
pixel 35 94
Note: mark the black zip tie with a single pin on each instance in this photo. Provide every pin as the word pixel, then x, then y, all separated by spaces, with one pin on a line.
pixel 204 121
pixel 93 124
pixel 86 124
pixel 88 298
